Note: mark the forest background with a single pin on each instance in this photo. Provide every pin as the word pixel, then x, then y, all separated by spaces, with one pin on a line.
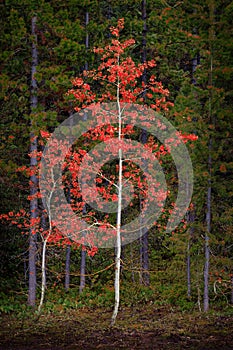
pixel 191 268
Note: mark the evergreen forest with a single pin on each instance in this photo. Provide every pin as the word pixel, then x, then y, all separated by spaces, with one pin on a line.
pixel 92 283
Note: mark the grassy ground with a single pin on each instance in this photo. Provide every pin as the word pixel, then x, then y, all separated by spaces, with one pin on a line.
pixel 141 327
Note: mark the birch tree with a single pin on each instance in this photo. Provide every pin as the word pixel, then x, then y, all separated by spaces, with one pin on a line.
pixel 117 77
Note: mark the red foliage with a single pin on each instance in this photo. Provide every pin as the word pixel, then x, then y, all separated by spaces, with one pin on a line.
pixel 116 71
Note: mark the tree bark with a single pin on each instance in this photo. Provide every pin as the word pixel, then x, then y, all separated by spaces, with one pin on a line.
pixel 33 177
pixel 188 267
pixel 232 289
pixel 43 273
pixel 207 250
pixel 146 275
pixel 191 218
pixel 82 271
pixel 144 258
pixel 191 213
pixel 118 226
pixel 83 252
pixel 118 245
pixel 83 265
pixel 67 268
pixel 209 190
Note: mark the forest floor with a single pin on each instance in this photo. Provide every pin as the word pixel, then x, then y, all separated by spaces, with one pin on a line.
pixel 145 327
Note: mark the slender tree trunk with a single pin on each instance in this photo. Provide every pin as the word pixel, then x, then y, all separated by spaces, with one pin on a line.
pixel 25 266
pixel 44 226
pixel 207 250
pixel 118 245
pixel 188 267
pixel 232 289
pixel 83 252
pixel 67 268
pixel 141 255
pixel 87 37
pixel 44 246
pixel 191 217
pixel 33 177
pixel 144 258
pixel 68 246
pixel 43 273
pixel 144 32
pixel 209 190
pixel 198 290
pixel 132 263
pixel 191 214
pixel 146 276
pixel 118 227
pixel 82 271
pixel 83 264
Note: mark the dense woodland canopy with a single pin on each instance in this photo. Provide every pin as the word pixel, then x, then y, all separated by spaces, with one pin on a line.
pixel 190 41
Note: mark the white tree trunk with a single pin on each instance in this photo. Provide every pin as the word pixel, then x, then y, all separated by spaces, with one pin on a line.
pixel 118 245
pixel 43 277
pixel 44 246
pixel 118 228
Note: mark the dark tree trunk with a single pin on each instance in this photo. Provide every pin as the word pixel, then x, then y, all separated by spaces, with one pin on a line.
pixel 209 190
pixel 191 218
pixel 144 33
pixel 82 271
pixel 68 247
pixel 83 252
pixel 141 260
pixel 144 259
pixel 146 275
pixel 191 213
pixel 87 37
pixel 208 228
pixel 132 262
pixel 232 289
pixel 67 268
pixel 33 177
pixel 188 266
